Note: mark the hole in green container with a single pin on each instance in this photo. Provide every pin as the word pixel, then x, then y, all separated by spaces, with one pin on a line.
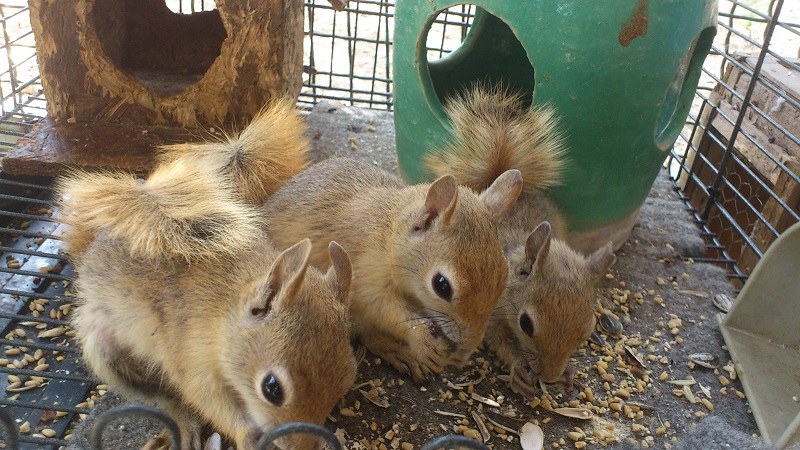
pixel 489 52
pixel 678 100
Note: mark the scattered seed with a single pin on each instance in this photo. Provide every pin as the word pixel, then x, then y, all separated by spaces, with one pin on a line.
pixel 687 392
pixel 53 332
pixel 688 382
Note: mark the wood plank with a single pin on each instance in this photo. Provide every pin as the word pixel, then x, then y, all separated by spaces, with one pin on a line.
pixel 52 146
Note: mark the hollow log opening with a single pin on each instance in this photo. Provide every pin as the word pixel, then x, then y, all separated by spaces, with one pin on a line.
pixel 166 51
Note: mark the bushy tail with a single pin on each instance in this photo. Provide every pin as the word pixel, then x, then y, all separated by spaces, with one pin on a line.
pixel 179 211
pixel 495 132
pixel 258 160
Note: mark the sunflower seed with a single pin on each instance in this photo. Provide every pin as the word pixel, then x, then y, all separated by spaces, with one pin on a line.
pixel 596 338
pixel 722 302
pixel 609 324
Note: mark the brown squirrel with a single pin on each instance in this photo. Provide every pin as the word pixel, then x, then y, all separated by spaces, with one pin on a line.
pixel 428 266
pixel 547 309
pixel 183 302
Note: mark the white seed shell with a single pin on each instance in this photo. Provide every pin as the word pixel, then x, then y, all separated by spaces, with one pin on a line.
pixel 531 437
pixel 575 413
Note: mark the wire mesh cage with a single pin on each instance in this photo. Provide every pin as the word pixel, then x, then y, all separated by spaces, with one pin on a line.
pixel 734 165
pixel 735 161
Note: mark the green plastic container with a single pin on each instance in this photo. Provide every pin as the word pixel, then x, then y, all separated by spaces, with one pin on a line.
pixel 621 74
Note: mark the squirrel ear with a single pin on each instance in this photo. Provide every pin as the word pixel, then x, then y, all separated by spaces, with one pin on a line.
pixel 503 193
pixel 340 273
pixel 440 202
pixel 601 260
pixel 537 246
pixel 285 277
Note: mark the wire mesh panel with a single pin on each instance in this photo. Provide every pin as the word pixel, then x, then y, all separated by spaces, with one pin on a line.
pixel 348 53
pixel 736 160
pixel 20 86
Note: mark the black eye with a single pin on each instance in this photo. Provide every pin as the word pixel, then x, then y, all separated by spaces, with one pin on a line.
pixel 442 287
pixel 272 390
pixel 523 272
pixel 526 324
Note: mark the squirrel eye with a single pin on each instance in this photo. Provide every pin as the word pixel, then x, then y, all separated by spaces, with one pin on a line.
pixel 271 390
pixel 442 287
pixel 523 273
pixel 526 324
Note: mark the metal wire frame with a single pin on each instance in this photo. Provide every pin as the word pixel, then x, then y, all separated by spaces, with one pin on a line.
pixel 342 72
pixel 53 386
pixel 21 102
pixel 725 199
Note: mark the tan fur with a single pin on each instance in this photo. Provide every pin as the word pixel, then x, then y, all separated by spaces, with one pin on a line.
pixel 399 237
pixel 179 211
pixel 185 337
pixel 549 284
pixel 199 337
pixel 493 132
pixel 269 151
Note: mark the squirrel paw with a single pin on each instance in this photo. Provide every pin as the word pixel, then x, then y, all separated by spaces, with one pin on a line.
pixel 420 359
pixel 524 381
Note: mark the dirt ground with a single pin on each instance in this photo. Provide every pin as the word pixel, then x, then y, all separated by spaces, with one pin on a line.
pixel 660 295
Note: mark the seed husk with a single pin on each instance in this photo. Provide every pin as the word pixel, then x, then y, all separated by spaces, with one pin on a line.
pixel 449 414
pixel 481 426
pixel 635 357
pixel 372 397
pixel 531 437
pixel 575 413
pixel 484 400
pixel 706 360
pixel 687 382
pixel 722 302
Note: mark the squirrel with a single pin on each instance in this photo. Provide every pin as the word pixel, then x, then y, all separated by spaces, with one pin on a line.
pixel 183 302
pixel 547 309
pixel 428 267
